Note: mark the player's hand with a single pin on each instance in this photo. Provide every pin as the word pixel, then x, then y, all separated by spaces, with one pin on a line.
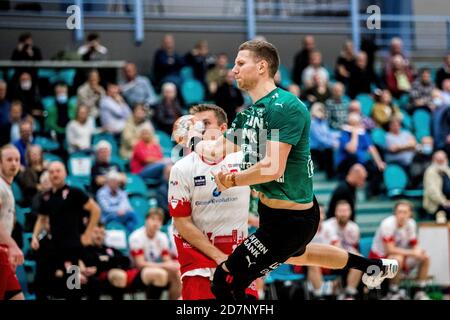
pixel 35 243
pixel 223 180
pixel 221 257
pixel 15 256
pixel 86 240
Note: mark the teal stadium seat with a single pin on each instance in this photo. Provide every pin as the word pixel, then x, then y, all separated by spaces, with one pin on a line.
pixel 395 180
pixel 422 124
pixel 365 244
pixel 140 206
pixel 136 186
pixel 17 192
pixel 186 73
pixel 379 137
pixel 166 142
pixel 366 102
pixel 47 144
pixel 192 92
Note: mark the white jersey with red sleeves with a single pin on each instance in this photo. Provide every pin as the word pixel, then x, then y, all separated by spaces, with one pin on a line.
pixel 347 236
pixel 152 248
pixel 7 206
pixel 404 237
pixel 221 216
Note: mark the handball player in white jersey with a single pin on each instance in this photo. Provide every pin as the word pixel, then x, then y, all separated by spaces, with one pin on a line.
pixel 208 224
pixel 10 254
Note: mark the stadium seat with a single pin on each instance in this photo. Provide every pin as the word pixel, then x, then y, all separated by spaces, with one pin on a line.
pixel 395 180
pixel 379 137
pixel 286 80
pixel 192 92
pixel 21 213
pixel 422 124
pixel 23 280
pixel 406 121
pixel 166 142
pixel 49 157
pixel 17 192
pixel 284 273
pixel 141 206
pixel 77 182
pixel 366 102
pixel 403 101
pixel 66 75
pixel 79 165
pixel 135 186
pixel 365 244
pixel 46 144
pixel 186 73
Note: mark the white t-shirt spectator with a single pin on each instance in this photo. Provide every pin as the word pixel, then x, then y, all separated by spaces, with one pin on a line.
pixel 309 72
pixel 79 136
pixel 346 237
pixel 153 249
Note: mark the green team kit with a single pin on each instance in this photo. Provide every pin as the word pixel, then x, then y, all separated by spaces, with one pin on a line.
pixel 278 116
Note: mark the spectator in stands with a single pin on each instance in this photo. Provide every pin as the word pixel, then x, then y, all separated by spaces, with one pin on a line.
pixel 396 238
pixel 28 180
pixel 229 97
pixel 150 249
pixel 399 77
pixel 445 93
pixel 337 106
pixel 420 162
pixel 443 72
pixel 25 49
pixel 301 59
pixel 314 68
pixel 137 88
pixel 114 202
pixel 318 92
pixel 92 50
pixel 61 214
pixel 80 130
pixel 436 185
pixel 114 111
pixel 197 59
pixel 10 131
pixel 346 190
pixel 58 115
pixel 340 231
pixel 400 145
pixel 345 63
pixel 355 146
pixel 5 105
pixel 90 93
pixel 396 49
pixel 361 77
pixel 322 140
pixel 130 134
pixel 169 109
pixel 217 75
pixel 102 165
pixel 25 141
pixel 27 92
pixel 167 63
pixel 44 186
pixel 421 92
pixel 384 109
pixel 113 274
pixel 355 107
pixel 147 159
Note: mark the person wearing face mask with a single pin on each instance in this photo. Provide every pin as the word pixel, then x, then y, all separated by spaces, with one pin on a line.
pixel 27 92
pixel 436 184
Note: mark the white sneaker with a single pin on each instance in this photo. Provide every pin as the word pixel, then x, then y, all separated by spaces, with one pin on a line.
pixel 421 295
pixel 389 270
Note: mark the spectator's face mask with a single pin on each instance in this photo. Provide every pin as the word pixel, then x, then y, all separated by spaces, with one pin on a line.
pixel 61 98
pixel 427 149
pixel 25 85
pixel 437 102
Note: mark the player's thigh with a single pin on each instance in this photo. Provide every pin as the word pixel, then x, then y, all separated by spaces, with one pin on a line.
pixel 196 288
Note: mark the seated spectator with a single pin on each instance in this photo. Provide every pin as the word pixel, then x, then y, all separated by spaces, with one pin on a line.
pixel 147 159
pixel 302 58
pixel 340 231
pixel 420 94
pixel 167 63
pixel 5 104
pixel 440 121
pixel 345 63
pixel 197 59
pixel 318 92
pixel 113 274
pixel 44 186
pixel 355 146
pixel 355 107
pixel 396 238
pixel 130 134
pixel 114 202
pixel 444 72
pixel 361 77
pixel 90 93
pixel 421 161
pixel 384 110
pixel 27 92
pixel 168 110
pixel 10 132
pixel 229 97
pixel 322 140
pixel 436 185
pixel 92 50
pixel 400 145
pixel 314 68
pixel 79 131
pixel 114 111
pixel 337 106
pixel 396 49
pixel 150 249
pixel 102 165
pixel 26 50
pixel 136 88
pixel 346 190
pixel 399 78
pixel 445 94
pixel 217 75
pixel 28 180
pixel 25 141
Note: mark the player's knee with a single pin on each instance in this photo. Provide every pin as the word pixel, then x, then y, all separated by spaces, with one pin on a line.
pixel 155 276
pixel 117 278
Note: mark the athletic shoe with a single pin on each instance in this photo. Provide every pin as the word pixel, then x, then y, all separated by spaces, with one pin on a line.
pixel 389 270
pixel 421 295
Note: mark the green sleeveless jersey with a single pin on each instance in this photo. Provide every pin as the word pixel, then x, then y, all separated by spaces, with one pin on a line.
pixel 279 116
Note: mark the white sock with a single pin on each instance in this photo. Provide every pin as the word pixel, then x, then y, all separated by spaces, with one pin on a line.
pixel 351 291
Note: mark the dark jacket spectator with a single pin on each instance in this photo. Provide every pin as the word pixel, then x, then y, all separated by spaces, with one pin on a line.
pixel 229 97
pixel 197 59
pixel 5 104
pixel 345 63
pixel 168 110
pixel 443 72
pixel 301 59
pixel 361 77
pixel 28 180
pixel 420 94
pixel 25 49
pixel 167 63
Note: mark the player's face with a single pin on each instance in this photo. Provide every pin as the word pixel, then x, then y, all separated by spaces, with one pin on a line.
pixel 10 162
pixel 402 213
pixel 153 224
pixel 343 213
pixel 57 174
pixel 246 70
pixel 212 129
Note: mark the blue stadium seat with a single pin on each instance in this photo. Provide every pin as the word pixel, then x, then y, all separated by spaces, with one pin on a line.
pixel 166 142
pixel 135 186
pixel 77 182
pixel 366 102
pixel 422 124
pixel 192 92
pixel 379 137
pixel 49 157
pixel 286 80
pixel 395 180
pixel 79 165
pixel 141 206
pixel 47 144
pixel 365 244
pixel 407 121
pixel 21 213
pixel 186 73
pixel 17 192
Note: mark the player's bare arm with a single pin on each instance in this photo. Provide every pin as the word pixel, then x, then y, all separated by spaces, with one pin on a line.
pixel 215 150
